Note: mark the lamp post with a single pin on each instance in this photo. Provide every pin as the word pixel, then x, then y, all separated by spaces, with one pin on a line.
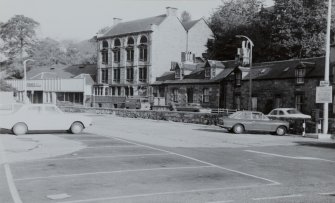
pixel 250 66
pixel 327 61
pixel 25 79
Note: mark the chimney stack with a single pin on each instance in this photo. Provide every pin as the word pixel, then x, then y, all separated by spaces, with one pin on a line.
pixel 116 21
pixel 170 11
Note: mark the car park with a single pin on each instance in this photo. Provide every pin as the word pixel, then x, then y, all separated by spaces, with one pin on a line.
pixel 287 113
pixel 25 117
pixel 242 121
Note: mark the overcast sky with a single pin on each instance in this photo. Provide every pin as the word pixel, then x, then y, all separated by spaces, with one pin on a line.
pixel 81 19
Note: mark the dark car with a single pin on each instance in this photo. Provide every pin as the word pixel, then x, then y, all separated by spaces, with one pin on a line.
pixel 242 121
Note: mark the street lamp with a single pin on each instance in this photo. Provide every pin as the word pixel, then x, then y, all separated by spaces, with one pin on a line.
pixel 327 61
pixel 250 66
pixel 25 79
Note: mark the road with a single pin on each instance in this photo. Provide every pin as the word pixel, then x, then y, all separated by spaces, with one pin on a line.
pixel 138 160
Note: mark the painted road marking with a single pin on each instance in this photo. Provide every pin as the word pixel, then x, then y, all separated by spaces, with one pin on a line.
pixel 110 172
pixel 204 162
pixel 12 187
pixel 291 157
pixel 100 157
pixel 327 193
pixel 224 201
pixel 159 193
pixel 277 197
pixel 114 146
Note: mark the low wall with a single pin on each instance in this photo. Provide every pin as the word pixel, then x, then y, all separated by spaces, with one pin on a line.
pixel 187 117
pixel 176 116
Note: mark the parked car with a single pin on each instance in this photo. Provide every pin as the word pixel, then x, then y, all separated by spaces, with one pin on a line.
pixel 287 113
pixel 25 117
pixel 242 121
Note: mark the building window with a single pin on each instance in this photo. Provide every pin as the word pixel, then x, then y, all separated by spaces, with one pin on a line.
pixel 237 102
pixel 104 52
pixel 104 75
pixel 254 103
pixel 189 95
pixel 116 53
pixel 177 73
pixel 130 74
pixel 175 95
pixel 278 101
pixel 207 72
pixel 113 90
pixel 119 91
pixel 116 75
pixel 205 95
pixel 299 101
pixel 300 74
pixel 130 49
pixel 238 78
pixel 116 50
pixel 143 49
pixel 143 74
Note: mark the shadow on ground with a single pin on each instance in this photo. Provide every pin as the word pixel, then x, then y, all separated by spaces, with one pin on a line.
pixel 213 130
pixel 317 144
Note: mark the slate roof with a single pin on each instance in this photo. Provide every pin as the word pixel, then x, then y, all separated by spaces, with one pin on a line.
pixel 189 24
pixel 286 69
pixel 134 26
pixel 61 71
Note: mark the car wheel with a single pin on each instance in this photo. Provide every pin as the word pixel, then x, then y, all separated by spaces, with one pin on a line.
pixel 238 129
pixel 281 130
pixel 20 129
pixel 76 127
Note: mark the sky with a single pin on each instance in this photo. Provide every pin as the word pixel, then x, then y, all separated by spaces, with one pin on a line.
pixel 81 19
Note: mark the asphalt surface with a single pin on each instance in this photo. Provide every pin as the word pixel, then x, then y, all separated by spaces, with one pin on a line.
pixel 137 160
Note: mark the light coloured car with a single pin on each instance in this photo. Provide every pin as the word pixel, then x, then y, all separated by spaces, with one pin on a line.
pixel 287 113
pixel 242 121
pixel 26 117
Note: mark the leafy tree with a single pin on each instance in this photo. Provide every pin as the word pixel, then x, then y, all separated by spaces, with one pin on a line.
pixel 5 87
pixel 185 16
pixel 48 52
pixel 236 17
pixel 18 35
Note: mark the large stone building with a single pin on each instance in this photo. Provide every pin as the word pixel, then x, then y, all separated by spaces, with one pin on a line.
pixel 132 54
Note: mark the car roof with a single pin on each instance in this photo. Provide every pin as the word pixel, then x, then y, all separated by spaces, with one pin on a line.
pixel 284 109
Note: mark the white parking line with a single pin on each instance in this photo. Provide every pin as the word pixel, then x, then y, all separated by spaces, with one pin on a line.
pixel 11 185
pixel 159 193
pixel 110 172
pixel 327 193
pixel 100 157
pixel 204 162
pixel 277 197
pixel 290 157
pixel 224 201
pixel 115 146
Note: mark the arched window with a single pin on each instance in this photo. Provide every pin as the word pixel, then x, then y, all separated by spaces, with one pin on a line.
pixel 130 49
pixel 116 50
pixel 104 52
pixel 143 49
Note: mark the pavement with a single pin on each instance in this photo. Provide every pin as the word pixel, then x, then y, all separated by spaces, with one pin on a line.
pixel 139 160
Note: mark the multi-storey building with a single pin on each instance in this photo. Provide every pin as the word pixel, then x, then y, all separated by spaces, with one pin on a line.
pixel 132 54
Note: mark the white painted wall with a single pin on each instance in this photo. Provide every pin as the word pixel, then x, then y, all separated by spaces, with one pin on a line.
pixel 198 36
pixel 168 41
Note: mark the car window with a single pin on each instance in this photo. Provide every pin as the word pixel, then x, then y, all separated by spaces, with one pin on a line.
pixel 256 116
pixel 293 111
pixel 34 109
pixel 51 109
pixel 273 112
pixel 264 117
pixel 235 115
pixel 281 112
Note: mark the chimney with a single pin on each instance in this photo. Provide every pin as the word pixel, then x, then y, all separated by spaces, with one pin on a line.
pixel 170 11
pixel 116 21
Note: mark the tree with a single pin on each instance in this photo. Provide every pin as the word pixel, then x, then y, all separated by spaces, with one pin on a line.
pixel 18 35
pixel 235 17
pixel 299 29
pixel 185 16
pixel 48 52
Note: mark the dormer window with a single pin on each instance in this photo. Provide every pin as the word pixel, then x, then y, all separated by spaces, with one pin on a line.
pixel 238 78
pixel 300 75
pixel 177 73
pixel 208 72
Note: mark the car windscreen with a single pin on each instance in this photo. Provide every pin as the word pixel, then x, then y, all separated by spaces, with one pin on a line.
pixel 293 111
